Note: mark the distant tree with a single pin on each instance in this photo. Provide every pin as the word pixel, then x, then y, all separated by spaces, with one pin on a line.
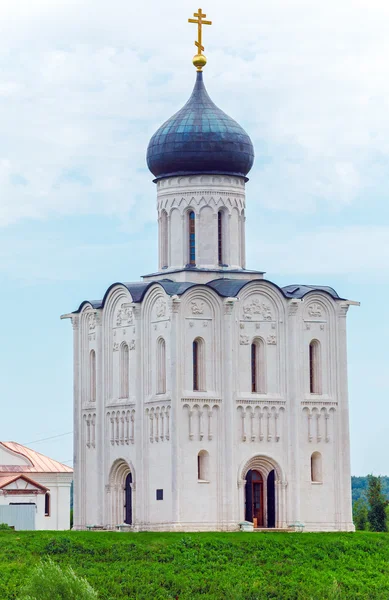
pixel 360 514
pixel 377 504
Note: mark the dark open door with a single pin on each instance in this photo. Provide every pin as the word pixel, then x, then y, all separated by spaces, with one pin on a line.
pixel 271 500
pixel 128 500
pixel 254 497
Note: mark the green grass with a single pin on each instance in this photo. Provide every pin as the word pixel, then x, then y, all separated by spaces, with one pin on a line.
pixel 228 566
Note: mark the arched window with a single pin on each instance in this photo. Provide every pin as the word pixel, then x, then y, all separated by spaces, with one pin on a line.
pixel 199 365
pixel 164 240
pixel 203 466
pixel 192 238
pixel 314 367
pixel 316 468
pixel 47 504
pixel 124 371
pixel 92 375
pixel 220 236
pixel 258 367
pixel 161 366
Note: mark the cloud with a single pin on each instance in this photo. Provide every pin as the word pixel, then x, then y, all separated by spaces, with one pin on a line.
pixel 84 86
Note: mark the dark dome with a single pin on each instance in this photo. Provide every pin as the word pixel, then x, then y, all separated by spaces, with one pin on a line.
pixel 200 138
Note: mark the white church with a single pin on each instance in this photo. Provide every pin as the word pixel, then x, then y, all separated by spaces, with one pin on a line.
pixel 206 395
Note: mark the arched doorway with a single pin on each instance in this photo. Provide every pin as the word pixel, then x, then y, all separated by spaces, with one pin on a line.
pixel 128 500
pixel 264 494
pixel 254 498
pixel 120 499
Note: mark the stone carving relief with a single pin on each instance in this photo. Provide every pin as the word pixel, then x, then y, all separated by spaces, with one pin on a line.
pixel 315 310
pixel 116 347
pixel 131 345
pixel 160 308
pixel 256 308
pixel 92 321
pixel 125 315
pixel 197 307
pixel 271 340
pixel 244 340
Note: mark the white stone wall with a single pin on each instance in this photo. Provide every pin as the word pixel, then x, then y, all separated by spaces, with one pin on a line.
pixel 158 436
pixel 206 195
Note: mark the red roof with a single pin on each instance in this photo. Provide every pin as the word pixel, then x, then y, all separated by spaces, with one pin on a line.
pixel 7 479
pixel 39 462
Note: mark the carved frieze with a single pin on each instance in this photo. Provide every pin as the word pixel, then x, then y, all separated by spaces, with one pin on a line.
pixel 197 307
pixel 125 315
pixel 315 310
pixel 160 308
pixel 92 321
pixel 256 308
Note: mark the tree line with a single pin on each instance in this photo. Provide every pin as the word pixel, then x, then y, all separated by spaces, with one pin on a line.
pixel 370 503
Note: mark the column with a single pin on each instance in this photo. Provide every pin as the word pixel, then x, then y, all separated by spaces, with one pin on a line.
pixel 230 507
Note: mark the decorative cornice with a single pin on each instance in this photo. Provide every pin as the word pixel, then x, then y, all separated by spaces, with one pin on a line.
pixel 202 400
pixel 262 402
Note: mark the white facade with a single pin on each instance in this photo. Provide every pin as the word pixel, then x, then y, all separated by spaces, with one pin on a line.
pixel 28 477
pixel 256 413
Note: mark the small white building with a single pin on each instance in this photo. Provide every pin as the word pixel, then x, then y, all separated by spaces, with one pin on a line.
pixel 30 479
pixel 206 394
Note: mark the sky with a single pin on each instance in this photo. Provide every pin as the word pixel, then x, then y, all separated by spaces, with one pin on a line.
pixel 84 85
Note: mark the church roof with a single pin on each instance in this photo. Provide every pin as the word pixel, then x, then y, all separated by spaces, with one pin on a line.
pixel 200 138
pixel 39 462
pixel 225 288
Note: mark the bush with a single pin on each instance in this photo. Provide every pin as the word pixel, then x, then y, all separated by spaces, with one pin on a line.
pixel 48 581
pixel 5 527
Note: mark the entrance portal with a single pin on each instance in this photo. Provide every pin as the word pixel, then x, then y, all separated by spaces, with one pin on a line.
pixel 128 500
pixel 260 499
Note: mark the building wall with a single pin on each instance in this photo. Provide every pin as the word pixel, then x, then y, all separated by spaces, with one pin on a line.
pixel 58 485
pixel 159 435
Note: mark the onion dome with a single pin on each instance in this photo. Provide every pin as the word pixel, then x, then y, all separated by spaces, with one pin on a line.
pixel 200 138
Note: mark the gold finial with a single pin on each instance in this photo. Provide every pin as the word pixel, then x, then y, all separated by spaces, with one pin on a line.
pixel 199 60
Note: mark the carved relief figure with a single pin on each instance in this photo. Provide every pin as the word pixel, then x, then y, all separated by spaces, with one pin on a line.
pixel 125 315
pixel 257 308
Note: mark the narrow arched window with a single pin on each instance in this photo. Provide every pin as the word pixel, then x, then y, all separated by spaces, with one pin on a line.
pixel 220 236
pixel 47 504
pixel 316 468
pixel 92 376
pixel 124 374
pixel 314 367
pixel 199 365
pixel 203 466
pixel 258 367
pixel 192 238
pixel 164 240
pixel 161 366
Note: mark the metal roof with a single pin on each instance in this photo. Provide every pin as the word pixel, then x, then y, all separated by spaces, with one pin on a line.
pixel 39 462
pixel 200 138
pixel 226 288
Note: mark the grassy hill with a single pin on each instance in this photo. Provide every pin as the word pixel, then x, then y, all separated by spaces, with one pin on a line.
pixel 230 566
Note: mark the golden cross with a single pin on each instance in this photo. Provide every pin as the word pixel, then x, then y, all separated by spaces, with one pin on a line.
pixel 200 22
